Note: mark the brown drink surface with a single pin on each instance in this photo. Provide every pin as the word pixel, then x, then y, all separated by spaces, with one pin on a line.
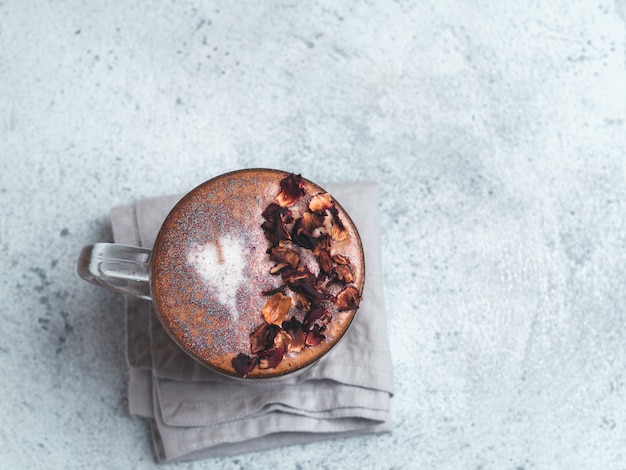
pixel 213 274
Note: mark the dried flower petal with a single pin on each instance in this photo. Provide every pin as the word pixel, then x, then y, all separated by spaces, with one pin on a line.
pixel 320 202
pixel 314 228
pixel 348 299
pixel 280 289
pixel 295 329
pixel 301 301
pixel 314 336
pixel 301 237
pixel 311 223
pixel 271 358
pixel 283 255
pixel 308 290
pixel 243 364
pixel 263 337
pixel 279 268
pixel 276 217
pixel 300 274
pixel 322 253
pixel 276 308
pixel 338 230
pixel 282 340
pixel 317 314
pixel 341 259
pixel 291 189
pixel 344 273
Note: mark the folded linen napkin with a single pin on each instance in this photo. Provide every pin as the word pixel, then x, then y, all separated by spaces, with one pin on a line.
pixel 197 413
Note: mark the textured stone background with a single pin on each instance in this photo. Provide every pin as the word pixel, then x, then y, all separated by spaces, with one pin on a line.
pixel 497 134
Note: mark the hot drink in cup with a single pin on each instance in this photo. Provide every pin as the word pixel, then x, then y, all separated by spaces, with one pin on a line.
pixel 256 273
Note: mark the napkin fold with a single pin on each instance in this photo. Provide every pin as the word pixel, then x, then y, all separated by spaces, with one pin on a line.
pixel 197 413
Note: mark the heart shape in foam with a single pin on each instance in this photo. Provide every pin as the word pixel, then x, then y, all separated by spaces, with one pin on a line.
pixel 221 266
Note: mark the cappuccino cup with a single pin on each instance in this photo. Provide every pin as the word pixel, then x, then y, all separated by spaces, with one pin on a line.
pixel 255 274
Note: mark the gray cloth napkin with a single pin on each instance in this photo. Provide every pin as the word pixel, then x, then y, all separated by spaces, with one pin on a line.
pixel 197 413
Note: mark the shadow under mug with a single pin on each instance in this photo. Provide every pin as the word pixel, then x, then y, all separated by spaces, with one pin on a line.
pixel 256 273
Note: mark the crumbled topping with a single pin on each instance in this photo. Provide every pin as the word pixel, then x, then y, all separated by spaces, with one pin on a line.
pixel 275 309
pixel 285 256
pixel 244 364
pixel 320 202
pixel 291 232
pixel 291 189
pixel 263 337
pixel 276 217
pixel 322 253
pixel 348 299
pixel 270 358
pixel 338 230
pixel 344 273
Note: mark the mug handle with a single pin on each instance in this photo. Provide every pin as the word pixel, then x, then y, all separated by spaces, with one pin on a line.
pixel 122 268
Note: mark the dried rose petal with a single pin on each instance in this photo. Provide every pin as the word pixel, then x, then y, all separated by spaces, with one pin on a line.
pixel 243 364
pixel 279 268
pixel 263 337
pixel 320 202
pixel 322 253
pixel 280 289
pixel 348 299
pixel 295 329
pixel 341 259
pixel 291 189
pixel 276 308
pixel 314 336
pixel 312 293
pixel 300 274
pixel 313 229
pixel 301 301
pixel 284 255
pixel 301 237
pixel 344 273
pixel 274 210
pixel 282 340
pixel 271 358
pixel 338 231
pixel 274 226
pixel 312 222
pixel 318 312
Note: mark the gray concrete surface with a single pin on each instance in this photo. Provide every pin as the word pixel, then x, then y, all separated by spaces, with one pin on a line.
pixel 497 134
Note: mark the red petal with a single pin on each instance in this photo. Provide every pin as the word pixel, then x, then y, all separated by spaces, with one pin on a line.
pixel 309 291
pixel 291 189
pixel 271 358
pixel 348 299
pixel 322 253
pixel 274 226
pixel 300 237
pixel 314 336
pixel 243 364
pixel 263 337
pixel 295 329
pixel 301 274
pixel 316 313
pixel 284 255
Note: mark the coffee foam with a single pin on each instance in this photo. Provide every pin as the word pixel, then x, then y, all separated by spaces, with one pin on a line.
pixel 221 265
pixel 210 268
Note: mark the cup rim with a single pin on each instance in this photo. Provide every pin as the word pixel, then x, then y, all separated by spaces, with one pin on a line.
pixel 173 213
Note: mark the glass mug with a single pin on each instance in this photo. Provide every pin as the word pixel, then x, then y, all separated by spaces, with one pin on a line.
pixel 255 273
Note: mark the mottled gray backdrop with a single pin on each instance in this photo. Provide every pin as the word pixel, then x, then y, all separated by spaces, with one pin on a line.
pixel 496 131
